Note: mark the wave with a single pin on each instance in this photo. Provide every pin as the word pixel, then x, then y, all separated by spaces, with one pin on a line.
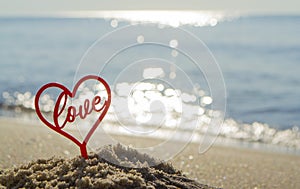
pixel 261 132
pixel 21 105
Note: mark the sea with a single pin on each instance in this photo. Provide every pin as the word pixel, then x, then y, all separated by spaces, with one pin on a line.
pixel 258 57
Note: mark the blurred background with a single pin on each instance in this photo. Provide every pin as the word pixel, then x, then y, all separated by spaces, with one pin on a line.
pixel 256 44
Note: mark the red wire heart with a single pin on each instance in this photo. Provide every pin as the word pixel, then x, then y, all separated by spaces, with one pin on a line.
pixel 71 115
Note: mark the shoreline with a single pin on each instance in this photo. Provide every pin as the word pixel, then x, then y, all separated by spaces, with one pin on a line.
pixel 220 166
pixel 221 141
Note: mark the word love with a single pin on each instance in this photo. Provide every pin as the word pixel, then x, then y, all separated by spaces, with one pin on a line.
pixel 84 110
pixel 72 113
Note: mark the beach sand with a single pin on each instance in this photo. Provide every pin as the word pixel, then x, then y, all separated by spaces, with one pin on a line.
pixel 225 167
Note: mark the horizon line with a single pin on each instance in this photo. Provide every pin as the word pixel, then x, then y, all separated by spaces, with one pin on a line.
pixel 104 13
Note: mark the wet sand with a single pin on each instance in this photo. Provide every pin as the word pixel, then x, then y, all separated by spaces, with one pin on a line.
pixel 225 167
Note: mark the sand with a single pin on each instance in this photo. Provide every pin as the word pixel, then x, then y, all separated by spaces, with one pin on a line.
pixel 96 172
pixel 224 167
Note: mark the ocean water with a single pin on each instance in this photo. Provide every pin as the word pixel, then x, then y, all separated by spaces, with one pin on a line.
pixel 259 57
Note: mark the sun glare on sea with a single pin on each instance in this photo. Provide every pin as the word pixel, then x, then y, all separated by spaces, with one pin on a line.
pixel 171 18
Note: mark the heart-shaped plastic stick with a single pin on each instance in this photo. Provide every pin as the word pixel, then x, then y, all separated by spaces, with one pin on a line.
pixel 72 113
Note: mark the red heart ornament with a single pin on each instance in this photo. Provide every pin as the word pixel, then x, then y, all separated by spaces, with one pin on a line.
pixel 72 113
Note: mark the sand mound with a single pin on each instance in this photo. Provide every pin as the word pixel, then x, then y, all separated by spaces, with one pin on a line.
pixel 126 157
pixel 97 172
